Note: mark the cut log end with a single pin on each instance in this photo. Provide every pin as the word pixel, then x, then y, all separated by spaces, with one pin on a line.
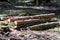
pixel 15 27
pixel 15 22
pixel 4 18
pixel 1 18
pixel 8 20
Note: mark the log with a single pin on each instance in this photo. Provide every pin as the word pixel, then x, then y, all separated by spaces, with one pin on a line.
pixel 4 18
pixel 44 26
pixel 30 21
pixel 42 16
pixel 18 18
pixel 45 16
pixel 40 26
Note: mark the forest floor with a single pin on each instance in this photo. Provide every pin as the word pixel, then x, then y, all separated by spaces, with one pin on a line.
pixel 49 34
pixel 30 35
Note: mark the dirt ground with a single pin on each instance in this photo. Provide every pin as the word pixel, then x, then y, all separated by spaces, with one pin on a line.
pixel 29 35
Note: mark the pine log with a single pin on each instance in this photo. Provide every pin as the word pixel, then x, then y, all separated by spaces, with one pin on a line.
pixel 45 16
pixel 18 18
pixel 4 18
pixel 44 26
pixel 30 21
pixel 40 26
pixel 42 16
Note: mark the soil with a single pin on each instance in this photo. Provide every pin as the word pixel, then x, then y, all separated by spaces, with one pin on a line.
pixel 29 35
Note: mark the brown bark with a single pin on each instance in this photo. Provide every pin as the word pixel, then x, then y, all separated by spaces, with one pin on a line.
pixel 42 16
pixel 30 21
pixel 4 18
pixel 44 27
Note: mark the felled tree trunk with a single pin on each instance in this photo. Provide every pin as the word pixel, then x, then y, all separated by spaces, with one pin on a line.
pixel 18 18
pixel 44 26
pixel 30 21
pixel 4 18
pixel 42 16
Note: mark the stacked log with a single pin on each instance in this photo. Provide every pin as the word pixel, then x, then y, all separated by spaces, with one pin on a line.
pixel 18 18
pixel 26 20
pixel 44 26
pixel 4 18
pixel 30 21
pixel 42 16
pixel 22 21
